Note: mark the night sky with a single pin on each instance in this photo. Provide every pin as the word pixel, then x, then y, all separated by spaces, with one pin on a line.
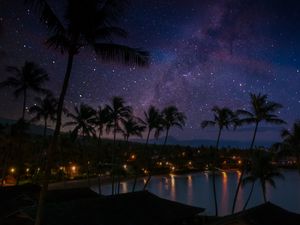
pixel 203 53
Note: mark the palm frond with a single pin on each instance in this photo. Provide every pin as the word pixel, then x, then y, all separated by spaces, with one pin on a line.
pixel 123 54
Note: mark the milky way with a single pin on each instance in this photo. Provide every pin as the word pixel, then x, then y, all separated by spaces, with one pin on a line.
pixel 203 53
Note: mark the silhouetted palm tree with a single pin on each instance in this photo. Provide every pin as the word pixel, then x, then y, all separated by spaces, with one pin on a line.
pixel 30 77
pixel 132 127
pixel 263 171
pixel 261 110
pixel 223 119
pixel 119 113
pixel 82 120
pixel 291 140
pixel 44 109
pixel 100 120
pixel 84 23
pixel 153 121
pixel 172 118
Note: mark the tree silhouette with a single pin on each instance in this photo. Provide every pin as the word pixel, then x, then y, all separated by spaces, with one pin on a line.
pixel 291 140
pixel 172 118
pixel 44 109
pixel 153 121
pixel 261 110
pixel 84 23
pixel 223 119
pixel 30 77
pixel 132 127
pixel 119 113
pixel 82 120
pixel 263 171
pixel 100 120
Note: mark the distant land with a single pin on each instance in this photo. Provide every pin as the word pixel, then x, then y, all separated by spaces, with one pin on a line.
pixel 33 129
pixel 38 130
pixel 207 142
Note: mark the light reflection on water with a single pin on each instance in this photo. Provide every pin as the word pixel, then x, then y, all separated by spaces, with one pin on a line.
pixel 196 189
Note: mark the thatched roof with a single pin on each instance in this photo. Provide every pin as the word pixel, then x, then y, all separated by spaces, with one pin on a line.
pixel 138 208
pixel 265 214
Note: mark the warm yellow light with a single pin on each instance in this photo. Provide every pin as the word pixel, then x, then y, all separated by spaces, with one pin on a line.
pixel 133 157
pixel 61 168
pixel 27 170
pixel 240 162
pixel 233 157
pixel 125 166
pixel 183 154
pixel 190 163
pixel 173 168
pixel 12 170
pixel 73 168
pixel 167 163
pixel 224 162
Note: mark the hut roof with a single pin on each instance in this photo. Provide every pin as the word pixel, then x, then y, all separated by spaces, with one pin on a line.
pixel 265 214
pixel 138 208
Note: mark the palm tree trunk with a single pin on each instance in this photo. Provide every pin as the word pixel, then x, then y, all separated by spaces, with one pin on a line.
pixel 263 187
pixel 148 135
pixel 24 104
pixel 254 136
pixel 249 196
pixel 53 143
pixel 134 182
pixel 112 162
pixel 45 128
pixel 214 190
pixel 218 140
pixel 214 173
pixel 237 190
pixel 166 138
pixel 243 169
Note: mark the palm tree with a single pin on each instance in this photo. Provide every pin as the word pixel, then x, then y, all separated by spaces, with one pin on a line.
pixel 100 120
pixel 28 78
pixel 153 121
pixel 45 109
pixel 172 117
pixel 291 140
pixel 263 171
pixel 82 121
pixel 119 113
pixel 261 110
pixel 85 23
pixel 132 127
pixel 223 119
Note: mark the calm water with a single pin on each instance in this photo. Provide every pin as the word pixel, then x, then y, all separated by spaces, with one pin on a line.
pixel 196 189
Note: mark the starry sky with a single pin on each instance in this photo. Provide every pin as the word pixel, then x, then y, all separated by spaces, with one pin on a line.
pixel 203 53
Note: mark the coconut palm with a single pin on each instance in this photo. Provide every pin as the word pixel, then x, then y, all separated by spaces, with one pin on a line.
pixel 291 140
pixel 82 120
pixel 224 118
pixel 153 121
pixel 261 110
pixel 132 127
pixel 30 77
pixel 262 171
pixel 119 113
pixel 172 118
pixel 83 24
pixel 44 109
pixel 100 120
